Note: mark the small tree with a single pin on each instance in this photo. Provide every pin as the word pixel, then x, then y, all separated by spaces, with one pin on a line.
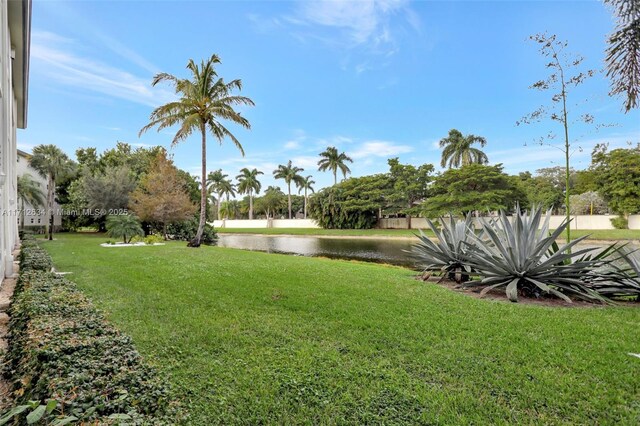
pixel 123 226
pixel 565 74
pixel 29 191
pixel 160 196
pixel 410 185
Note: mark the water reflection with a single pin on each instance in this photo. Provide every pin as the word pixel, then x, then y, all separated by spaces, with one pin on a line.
pixel 382 250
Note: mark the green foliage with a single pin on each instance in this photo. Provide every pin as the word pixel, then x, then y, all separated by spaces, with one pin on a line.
pixel 272 202
pixel 540 190
pixel 474 187
pixel 447 254
pixel 109 190
pixel 331 159
pixel 458 150
pixel 153 239
pixel 410 184
pixel 186 231
pixel 289 173
pixel 354 203
pixel 123 226
pixel 64 353
pixel 618 177
pixel 620 222
pixel 523 258
pixel 588 203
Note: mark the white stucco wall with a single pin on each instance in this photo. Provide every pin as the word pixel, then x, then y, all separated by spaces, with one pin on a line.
pixel 264 223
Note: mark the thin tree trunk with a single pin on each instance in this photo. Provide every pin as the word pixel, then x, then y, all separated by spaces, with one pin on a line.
pixel 219 204
pixel 203 192
pixel 335 177
pixel 567 154
pixel 305 203
pixel 50 202
pixel 22 214
pixel 250 205
pixel 289 186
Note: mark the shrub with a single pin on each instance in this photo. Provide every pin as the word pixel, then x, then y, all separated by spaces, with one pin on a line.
pixel 523 258
pixel 153 239
pixel 61 348
pixel 447 255
pixel 186 231
pixel 620 222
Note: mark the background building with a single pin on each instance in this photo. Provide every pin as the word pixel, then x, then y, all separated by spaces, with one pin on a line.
pixel 35 217
pixel 15 32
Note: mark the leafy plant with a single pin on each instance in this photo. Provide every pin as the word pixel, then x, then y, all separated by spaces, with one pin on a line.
pixel 153 239
pixel 620 222
pixel 523 258
pixel 63 351
pixel 186 231
pixel 448 254
pixel 123 226
pixel 624 277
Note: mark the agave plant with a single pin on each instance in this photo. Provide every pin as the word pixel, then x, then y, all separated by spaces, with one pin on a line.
pixel 623 277
pixel 448 254
pixel 523 258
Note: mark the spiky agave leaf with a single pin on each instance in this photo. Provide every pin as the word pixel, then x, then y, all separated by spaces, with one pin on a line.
pixel 447 254
pixel 522 257
pixel 622 276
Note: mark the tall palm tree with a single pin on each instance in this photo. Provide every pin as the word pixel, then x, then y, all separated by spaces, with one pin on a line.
pixel 332 160
pixel 290 174
pixel 227 189
pixel 248 183
pixel 52 164
pixel 29 192
pixel 459 152
pixel 306 185
pixel 216 183
pixel 204 101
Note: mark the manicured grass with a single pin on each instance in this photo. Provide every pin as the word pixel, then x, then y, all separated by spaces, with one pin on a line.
pixel 613 234
pixel 256 338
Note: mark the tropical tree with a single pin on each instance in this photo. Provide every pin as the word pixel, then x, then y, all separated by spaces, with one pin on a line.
pixel 123 226
pixel 29 192
pixel 306 184
pixel 289 173
pixel 623 52
pixel 204 100
pixel 52 164
pixel 248 183
pixel 216 182
pixel 332 160
pixel 227 189
pixel 459 152
pixel 232 209
pixel 271 202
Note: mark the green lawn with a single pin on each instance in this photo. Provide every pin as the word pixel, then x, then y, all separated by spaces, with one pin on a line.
pixel 255 338
pixel 613 234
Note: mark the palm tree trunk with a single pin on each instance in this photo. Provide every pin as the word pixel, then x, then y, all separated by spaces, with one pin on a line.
pixel 250 205
pixel 203 191
pixel 22 215
pixel 289 186
pixel 219 204
pixel 335 177
pixel 305 203
pixel 50 205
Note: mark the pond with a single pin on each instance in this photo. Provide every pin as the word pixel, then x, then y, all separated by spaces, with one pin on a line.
pixel 381 250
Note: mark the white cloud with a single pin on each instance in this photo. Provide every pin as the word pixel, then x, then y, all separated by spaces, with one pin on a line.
pixel 305 161
pixel 292 145
pixel 51 55
pixel 376 148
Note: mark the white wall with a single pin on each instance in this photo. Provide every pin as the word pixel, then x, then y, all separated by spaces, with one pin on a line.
pixel 578 222
pixel 264 223
pixel 30 217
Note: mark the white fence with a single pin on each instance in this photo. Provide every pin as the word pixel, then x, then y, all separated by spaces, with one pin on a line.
pixel 578 222
pixel 265 223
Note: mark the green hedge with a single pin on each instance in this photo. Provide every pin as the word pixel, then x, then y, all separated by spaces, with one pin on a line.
pixel 61 348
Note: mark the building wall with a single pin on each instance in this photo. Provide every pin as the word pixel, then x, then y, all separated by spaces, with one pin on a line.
pixel 14 40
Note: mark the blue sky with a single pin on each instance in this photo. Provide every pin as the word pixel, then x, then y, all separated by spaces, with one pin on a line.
pixel 377 79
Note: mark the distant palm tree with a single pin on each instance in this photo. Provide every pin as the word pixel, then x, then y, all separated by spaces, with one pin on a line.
pixel 332 160
pixel 218 184
pixel 248 183
pixel 204 101
pixel 29 192
pixel 52 164
pixel 459 152
pixel 306 185
pixel 290 174
pixel 227 189
pixel 231 209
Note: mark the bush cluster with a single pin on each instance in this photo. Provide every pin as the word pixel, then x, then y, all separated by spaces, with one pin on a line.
pixel 61 348
pixel 186 231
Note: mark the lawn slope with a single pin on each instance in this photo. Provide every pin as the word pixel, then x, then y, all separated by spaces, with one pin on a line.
pixel 250 338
